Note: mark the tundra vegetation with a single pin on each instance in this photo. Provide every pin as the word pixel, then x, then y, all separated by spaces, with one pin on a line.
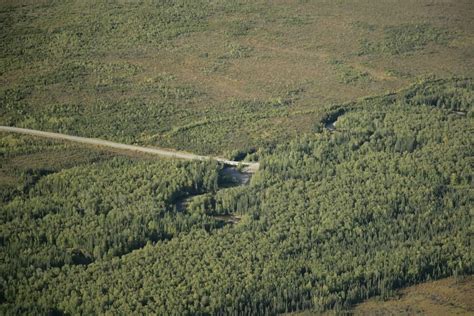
pixel 331 218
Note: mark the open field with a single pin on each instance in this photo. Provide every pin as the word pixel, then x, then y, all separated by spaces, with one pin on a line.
pixel 216 77
pixel 449 296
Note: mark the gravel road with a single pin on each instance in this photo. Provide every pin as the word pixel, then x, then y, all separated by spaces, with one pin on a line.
pixel 249 166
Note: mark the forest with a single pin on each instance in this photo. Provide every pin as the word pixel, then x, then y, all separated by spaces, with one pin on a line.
pixel 330 219
pixel 359 114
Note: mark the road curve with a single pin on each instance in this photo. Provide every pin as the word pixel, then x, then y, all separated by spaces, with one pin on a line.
pixel 249 166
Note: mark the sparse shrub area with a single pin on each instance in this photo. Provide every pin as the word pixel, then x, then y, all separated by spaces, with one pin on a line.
pixel 239 28
pixel 349 75
pixel 169 73
pixel 405 39
pixel 235 51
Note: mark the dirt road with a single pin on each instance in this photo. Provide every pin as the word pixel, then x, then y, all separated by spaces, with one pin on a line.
pixel 250 167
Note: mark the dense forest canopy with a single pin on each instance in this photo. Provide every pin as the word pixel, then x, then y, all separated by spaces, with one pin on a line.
pixel 330 219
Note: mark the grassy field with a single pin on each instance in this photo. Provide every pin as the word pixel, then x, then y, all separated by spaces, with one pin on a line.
pixel 212 76
pixel 449 296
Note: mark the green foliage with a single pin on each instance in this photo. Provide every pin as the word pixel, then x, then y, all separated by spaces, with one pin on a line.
pixel 330 219
pixel 238 155
pixel 407 38
pixel 451 95
pixel 24 161
pixel 234 51
pixel 108 25
pixel 349 75
pixel 98 211
pixel 168 73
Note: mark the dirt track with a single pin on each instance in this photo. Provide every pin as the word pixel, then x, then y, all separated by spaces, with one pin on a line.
pixel 250 167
